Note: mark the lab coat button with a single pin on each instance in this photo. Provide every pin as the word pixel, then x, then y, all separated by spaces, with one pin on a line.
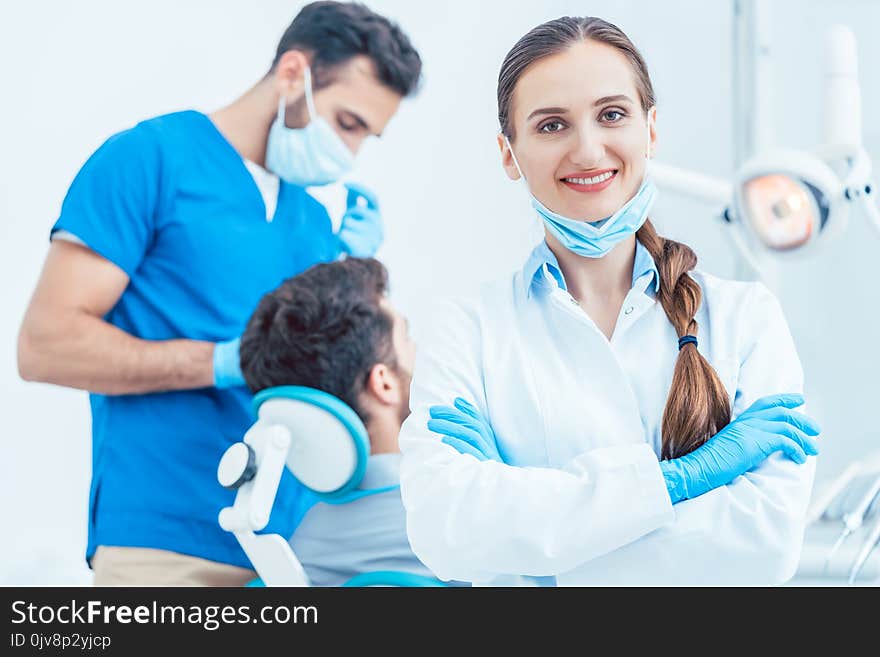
pixel 630 310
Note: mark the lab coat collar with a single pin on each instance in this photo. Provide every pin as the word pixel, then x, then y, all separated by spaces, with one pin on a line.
pixel 542 268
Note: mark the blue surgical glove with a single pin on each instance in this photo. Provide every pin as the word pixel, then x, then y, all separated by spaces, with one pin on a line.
pixel 227 368
pixel 769 425
pixel 463 428
pixel 362 231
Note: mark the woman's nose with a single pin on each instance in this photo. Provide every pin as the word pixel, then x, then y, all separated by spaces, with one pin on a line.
pixel 588 151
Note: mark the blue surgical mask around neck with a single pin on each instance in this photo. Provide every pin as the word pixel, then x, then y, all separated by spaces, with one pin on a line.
pixel 309 156
pixel 595 239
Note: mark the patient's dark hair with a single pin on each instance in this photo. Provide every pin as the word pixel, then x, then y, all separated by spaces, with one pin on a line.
pixel 332 33
pixel 323 329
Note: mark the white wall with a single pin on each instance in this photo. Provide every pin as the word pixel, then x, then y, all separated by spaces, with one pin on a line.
pixel 74 73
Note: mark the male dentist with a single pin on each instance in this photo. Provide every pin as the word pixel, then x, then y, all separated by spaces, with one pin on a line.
pixel 167 239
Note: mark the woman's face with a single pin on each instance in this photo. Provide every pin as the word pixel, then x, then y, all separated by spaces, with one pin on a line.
pixel 582 136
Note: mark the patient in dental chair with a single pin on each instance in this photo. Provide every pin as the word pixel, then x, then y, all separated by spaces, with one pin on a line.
pixel 333 329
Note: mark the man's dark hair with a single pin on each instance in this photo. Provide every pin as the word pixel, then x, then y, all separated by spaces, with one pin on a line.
pixel 335 32
pixel 323 329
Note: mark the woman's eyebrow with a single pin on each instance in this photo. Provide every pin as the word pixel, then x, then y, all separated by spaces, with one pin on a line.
pixel 612 99
pixel 546 110
pixel 562 110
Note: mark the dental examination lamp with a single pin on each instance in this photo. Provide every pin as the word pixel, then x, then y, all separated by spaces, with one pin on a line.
pixel 789 201
pixel 324 444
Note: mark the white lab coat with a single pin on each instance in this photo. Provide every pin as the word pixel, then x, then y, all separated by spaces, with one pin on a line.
pixel 578 422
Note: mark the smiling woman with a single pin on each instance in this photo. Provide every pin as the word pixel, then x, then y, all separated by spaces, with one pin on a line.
pixel 585 406
pixel 587 144
pixel 587 157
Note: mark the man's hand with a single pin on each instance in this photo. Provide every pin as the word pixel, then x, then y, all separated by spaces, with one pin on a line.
pixel 362 231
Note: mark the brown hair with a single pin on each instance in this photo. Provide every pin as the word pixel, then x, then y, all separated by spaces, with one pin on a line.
pixel 698 406
pixel 323 329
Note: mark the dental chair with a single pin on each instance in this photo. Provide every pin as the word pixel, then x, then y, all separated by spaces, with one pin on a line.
pixel 325 446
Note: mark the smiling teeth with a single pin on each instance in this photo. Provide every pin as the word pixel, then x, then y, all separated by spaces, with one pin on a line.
pixel 590 181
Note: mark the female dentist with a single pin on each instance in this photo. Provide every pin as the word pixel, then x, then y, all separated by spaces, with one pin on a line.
pixel 591 438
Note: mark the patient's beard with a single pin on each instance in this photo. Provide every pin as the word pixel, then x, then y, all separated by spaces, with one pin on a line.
pixel 406 383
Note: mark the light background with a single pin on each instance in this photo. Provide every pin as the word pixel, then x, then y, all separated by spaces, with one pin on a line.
pixel 74 73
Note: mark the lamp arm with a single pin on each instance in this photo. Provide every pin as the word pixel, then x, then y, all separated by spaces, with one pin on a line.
pixel 690 183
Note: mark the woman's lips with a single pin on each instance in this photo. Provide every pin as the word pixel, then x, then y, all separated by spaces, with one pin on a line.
pixel 568 181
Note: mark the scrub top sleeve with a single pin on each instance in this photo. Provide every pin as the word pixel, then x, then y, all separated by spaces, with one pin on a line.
pixel 749 532
pixel 113 202
pixel 474 521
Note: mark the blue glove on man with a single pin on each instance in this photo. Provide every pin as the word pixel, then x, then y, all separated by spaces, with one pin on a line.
pixel 465 429
pixel 767 426
pixel 227 366
pixel 362 230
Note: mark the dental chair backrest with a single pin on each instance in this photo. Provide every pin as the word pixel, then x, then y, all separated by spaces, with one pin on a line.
pixel 320 440
pixel 329 443
pixel 324 444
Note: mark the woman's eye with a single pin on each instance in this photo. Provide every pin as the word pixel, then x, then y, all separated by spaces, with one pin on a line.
pixel 552 126
pixel 613 116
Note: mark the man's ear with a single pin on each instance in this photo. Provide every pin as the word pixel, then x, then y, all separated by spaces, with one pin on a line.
pixel 383 385
pixel 507 159
pixel 290 74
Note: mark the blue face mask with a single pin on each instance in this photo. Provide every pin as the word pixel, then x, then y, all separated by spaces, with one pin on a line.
pixel 310 156
pixel 596 239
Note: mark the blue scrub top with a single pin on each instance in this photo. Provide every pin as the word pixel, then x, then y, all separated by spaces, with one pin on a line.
pixel 172 204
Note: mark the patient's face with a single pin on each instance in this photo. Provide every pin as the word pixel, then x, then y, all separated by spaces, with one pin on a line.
pixel 405 351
